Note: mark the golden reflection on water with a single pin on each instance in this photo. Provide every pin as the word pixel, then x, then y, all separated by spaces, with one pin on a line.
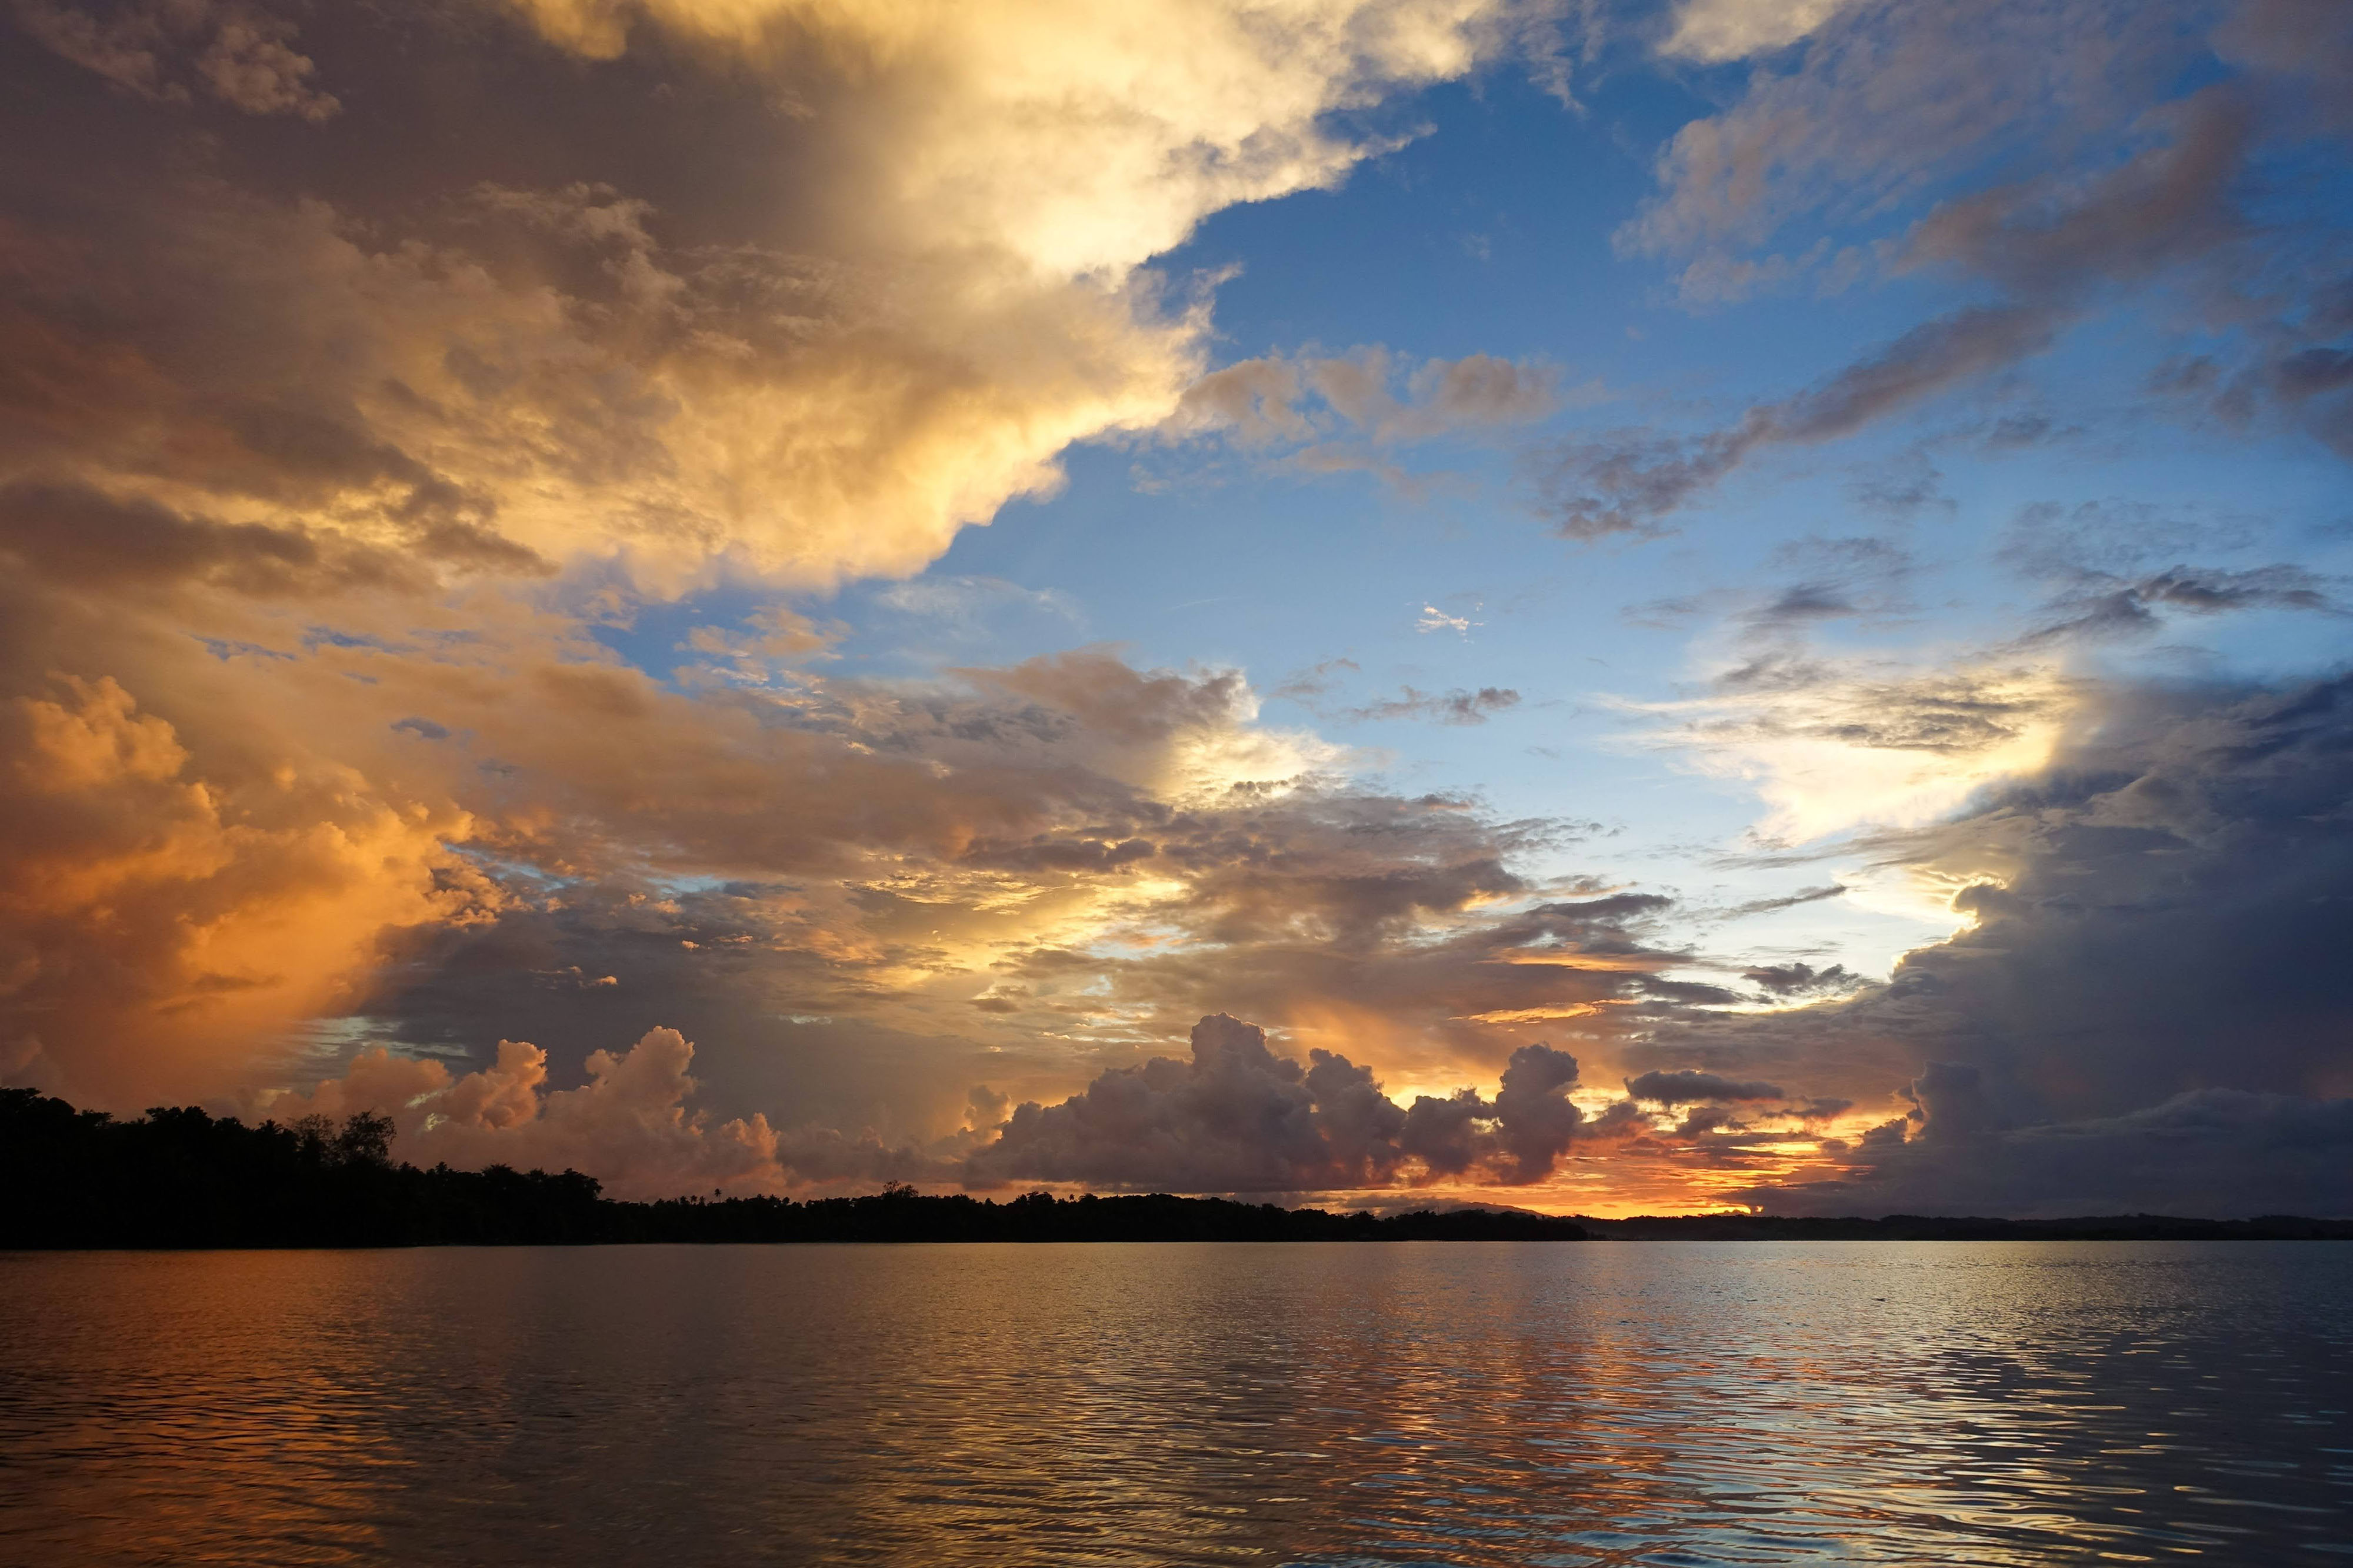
pixel 1603 1403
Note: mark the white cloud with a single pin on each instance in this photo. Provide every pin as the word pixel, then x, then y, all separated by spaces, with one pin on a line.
pixel 1715 31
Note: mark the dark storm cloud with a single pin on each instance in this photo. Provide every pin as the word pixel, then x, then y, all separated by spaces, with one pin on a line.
pixel 2147 1011
pixel 1685 1087
pixel 1803 979
pixel 2217 1152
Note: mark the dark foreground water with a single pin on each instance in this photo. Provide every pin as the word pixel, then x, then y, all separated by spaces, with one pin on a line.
pixel 1604 1402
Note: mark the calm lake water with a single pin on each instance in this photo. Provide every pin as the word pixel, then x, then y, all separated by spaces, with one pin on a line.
pixel 1603 1403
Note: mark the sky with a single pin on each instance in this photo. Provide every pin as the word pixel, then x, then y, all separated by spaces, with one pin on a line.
pixel 1608 607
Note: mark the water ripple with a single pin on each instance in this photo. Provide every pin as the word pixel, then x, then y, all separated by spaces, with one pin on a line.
pixel 1342 1406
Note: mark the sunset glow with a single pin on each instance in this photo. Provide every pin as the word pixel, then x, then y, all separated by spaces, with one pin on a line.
pixel 1608 609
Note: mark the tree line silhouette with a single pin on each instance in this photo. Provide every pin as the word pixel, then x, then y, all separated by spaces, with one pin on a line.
pixel 183 1178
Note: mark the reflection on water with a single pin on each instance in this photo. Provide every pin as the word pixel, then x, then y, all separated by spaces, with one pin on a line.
pixel 1608 1402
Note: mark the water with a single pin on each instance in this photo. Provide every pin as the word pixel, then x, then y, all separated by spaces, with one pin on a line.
pixel 1605 1402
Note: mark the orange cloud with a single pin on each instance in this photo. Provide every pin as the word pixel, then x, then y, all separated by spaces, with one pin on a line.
pixel 162 929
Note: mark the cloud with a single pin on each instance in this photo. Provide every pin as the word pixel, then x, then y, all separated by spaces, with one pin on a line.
pixel 628 1125
pixel 1297 399
pixel 237 54
pixel 217 846
pixel 2103 542
pixel 1457 707
pixel 1909 486
pixel 336 463
pixel 1715 31
pixel 1434 619
pixel 2097 558
pixel 1630 481
pixel 1889 102
pixel 1803 979
pixel 1789 902
pixel 161 922
pixel 1832 743
pixel 1354 411
pixel 2141 1011
pixel 900 296
pixel 1888 99
pixel 1687 1087
pixel 1316 681
pixel 964 601
pixel 1238 1118
pixel 793 873
pixel 2217 1152
pixel 1834 579
pixel 85 538
pixel 2128 609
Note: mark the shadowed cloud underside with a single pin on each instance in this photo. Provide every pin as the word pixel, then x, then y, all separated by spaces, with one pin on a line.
pixel 1622 607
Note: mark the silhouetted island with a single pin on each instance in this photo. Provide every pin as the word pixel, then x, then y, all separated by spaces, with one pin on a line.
pixel 183 1178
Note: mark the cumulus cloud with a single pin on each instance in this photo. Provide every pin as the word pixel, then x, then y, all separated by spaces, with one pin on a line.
pixel 160 922
pixel 239 55
pixel 285 481
pixel 463 817
pixel 1239 1118
pixel 628 1125
pixel 288 814
pixel 335 461
pixel 1096 852
pixel 916 277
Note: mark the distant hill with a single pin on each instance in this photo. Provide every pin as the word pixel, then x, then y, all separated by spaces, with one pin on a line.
pixel 181 1178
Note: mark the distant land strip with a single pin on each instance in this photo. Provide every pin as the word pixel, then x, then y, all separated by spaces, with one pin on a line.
pixel 183 1178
